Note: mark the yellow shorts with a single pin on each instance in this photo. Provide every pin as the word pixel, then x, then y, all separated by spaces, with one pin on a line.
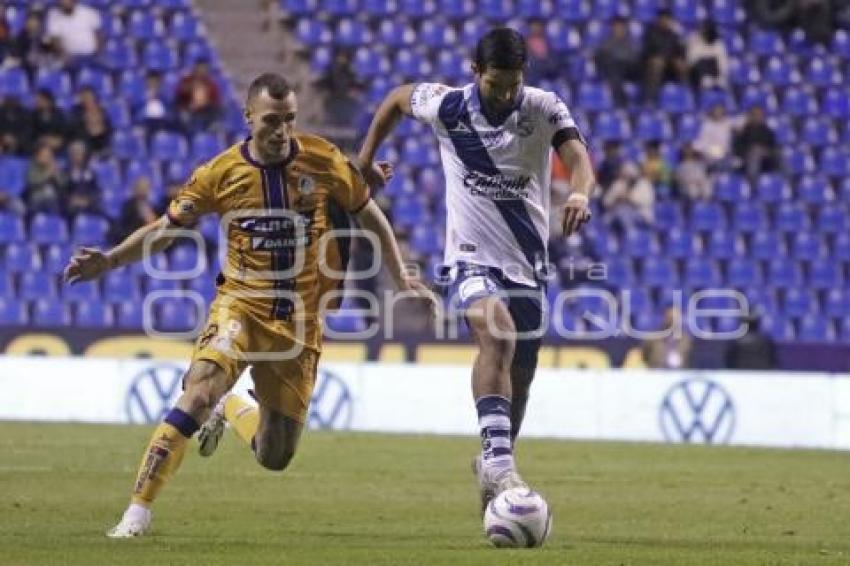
pixel 283 371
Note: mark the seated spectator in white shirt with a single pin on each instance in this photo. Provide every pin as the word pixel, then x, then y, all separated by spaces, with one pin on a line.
pixel 74 29
pixel 714 140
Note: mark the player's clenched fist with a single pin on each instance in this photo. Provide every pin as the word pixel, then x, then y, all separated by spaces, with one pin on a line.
pixel 576 214
pixel 85 265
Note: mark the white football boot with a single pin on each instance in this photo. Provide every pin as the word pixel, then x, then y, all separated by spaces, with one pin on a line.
pixel 211 431
pixel 135 522
pixel 489 486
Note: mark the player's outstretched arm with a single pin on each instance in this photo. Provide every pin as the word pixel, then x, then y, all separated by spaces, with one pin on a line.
pixel 392 109
pixel 91 263
pixel 372 219
pixel 574 155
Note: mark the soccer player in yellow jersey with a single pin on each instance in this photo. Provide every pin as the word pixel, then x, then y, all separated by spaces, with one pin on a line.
pixel 280 195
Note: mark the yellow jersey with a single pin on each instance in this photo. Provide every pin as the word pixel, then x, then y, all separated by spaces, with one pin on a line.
pixel 281 225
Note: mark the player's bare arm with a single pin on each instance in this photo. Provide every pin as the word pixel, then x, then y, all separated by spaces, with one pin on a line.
pixel 395 106
pixel 582 180
pixel 371 218
pixel 90 263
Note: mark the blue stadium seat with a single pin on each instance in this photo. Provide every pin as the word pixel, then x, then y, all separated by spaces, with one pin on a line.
pixel 378 8
pixel 196 51
pixel 351 33
pixel 176 315
pixel 339 8
pixel 160 56
pixel 822 73
pixel 166 146
pixel 34 285
pixel 434 34
pixel 657 272
pixel 129 145
pixel 186 258
pixel 205 286
pixel 138 168
pixel 94 315
pixel 841 247
pixel 56 258
pixel 144 25
pixel 641 244
pixel 457 10
pixel 119 113
pixel 772 188
pixel 765 43
pixel 759 95
pixel 151 284
pixel 13 174
pixel 408 211
pixel 836 303
pixel 743 71
pixel 57 81
pixel 85 291
pixel 676 99
pixel 797 302
pixel 48 229
pixel 679 244
pixel 668 214
pixel 791 217
pixel 409 63
pixel 836 103
pixel 611 126
pixel 183 26
pixel 806 246
pixel 120 285
pixel 22 258
pixel 396 34
pixel 825 274
pixel 130 315
pixel 749 217
pixel 833 163
pixel 766 245
pixel 799 102
pixel 815 329
pixel 532 9
pixel 158 261
pixel 370 63
pixel 417 9
pixel 14 82
pixel 11 228
pixel 89 230
pixel 818 132
pixel 724 244
pixel 13 312
pixel 785 129
pixel 645 10
pixel 841 44
pixel 701 272
pixel 99 81
pixel 798 160
pixel 620 271
pixel 50 313
pixel 653 126
pixel 345 322
pixel 782 273
pixel 707 217
pixel 205 145
pixel 450 66
pixel 312 33
pixel 299 8
pixel 831 220
pixel 743 272
pixel 731 188
pixel 778 72
pixel 687 12
pixel 562 38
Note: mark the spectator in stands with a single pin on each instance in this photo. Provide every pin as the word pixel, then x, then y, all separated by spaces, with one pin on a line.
pixel 672 351
pixel 11 203
pixel 137 211
pixel 609 167
pixel 171 193
pixel 15 127
pixel 630 199
pixel 714 140
pixel 74 30
pixel 755 145
pixel 342 90
pixel 152 106
pixel 692 178
pixel 83 192
pixel 7 44
pixel 708 60
pixel 618 59
pixel 655 166
pixel 90 121
pixel 32 48
pixel 48 120
pixel 542 64
pixel 46 184
pixel 753 350
pixel 663 55
pixel 198 98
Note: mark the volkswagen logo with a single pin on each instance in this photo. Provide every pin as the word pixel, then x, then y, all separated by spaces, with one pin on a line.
pixel 697 410
pixel 331 405
pixel 152 393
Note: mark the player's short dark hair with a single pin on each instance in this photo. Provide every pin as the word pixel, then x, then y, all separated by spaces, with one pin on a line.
pixel 273 83
pixel 501 48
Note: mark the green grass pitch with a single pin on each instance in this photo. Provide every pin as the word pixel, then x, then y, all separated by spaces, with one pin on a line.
pixel 383 499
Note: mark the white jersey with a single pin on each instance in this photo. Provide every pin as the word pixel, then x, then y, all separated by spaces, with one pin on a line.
pixel 497 174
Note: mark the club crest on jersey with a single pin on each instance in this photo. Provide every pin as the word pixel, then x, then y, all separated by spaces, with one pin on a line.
pixel 306 184
pixel 524 126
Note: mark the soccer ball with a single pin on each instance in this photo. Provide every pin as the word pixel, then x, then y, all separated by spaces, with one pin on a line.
pixel 516 518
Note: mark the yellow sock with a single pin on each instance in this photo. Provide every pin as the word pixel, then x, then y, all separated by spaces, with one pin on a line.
pixel 163 456
pixel 242 416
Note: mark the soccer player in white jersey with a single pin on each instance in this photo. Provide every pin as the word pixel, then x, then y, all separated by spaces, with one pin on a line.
pixel 495 138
